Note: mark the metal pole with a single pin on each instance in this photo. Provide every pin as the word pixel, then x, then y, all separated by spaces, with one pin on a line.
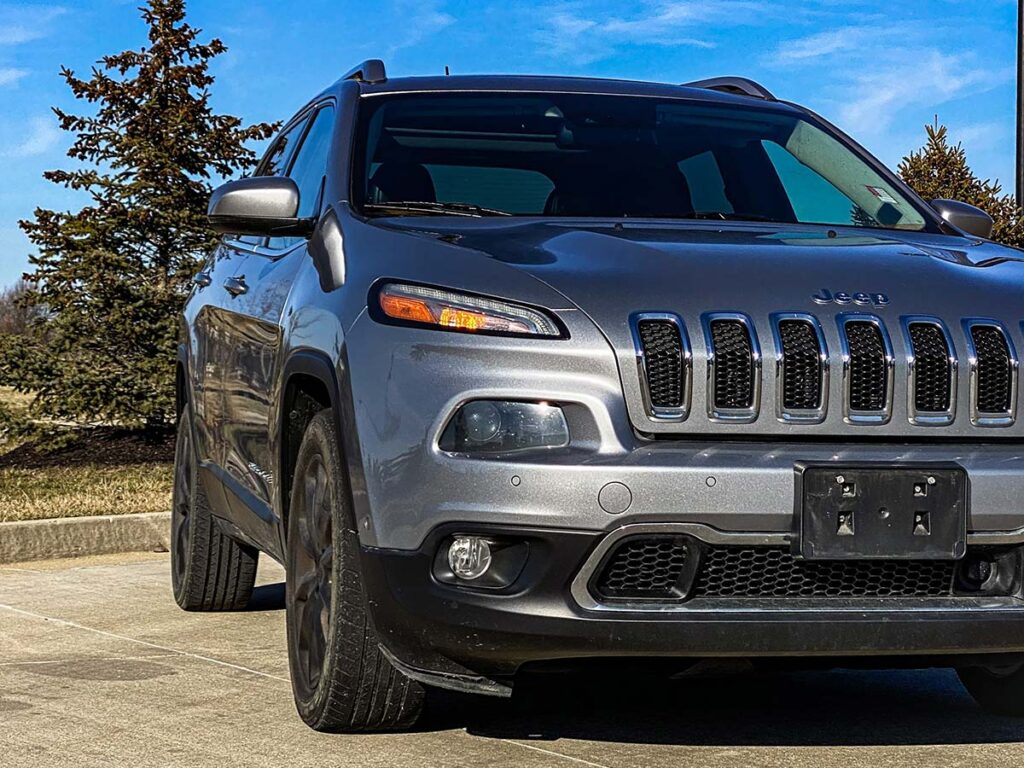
pixel 1020 103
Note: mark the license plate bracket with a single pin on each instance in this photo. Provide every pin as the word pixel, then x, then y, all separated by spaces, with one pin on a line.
pixel 881 512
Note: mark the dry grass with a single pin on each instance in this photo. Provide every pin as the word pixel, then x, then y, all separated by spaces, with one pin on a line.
pixel 16 401
pixel 78 491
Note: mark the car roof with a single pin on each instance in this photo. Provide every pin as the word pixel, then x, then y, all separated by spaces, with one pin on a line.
pixel 557 84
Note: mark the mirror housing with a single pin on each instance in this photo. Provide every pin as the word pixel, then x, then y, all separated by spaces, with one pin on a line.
pixel 968 218
pixel 261 205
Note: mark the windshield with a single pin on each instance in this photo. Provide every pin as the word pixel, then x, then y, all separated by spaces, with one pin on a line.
pixel 582 155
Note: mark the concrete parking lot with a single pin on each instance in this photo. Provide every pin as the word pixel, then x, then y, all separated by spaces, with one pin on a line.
pixel 98 668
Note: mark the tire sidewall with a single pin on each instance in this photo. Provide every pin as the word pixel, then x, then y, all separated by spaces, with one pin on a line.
pixel 318 442
pixel 184 450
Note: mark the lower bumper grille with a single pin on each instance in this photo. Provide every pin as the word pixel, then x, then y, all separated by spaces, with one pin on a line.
pixel 767 573
pixel 675 568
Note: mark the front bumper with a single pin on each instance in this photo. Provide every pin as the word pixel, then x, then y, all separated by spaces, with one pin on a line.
pixel 473 639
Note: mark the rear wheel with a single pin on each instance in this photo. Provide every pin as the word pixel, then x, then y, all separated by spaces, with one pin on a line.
pixel 999 690
pixel 340 678
pixel 209 570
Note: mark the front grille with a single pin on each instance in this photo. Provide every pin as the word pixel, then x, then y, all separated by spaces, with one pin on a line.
pixel 650 568
pixel 932 368
pixel 767 572
pixel 801 365
pixel 994 370
pixel 869 367
pixel 663 362
pixel 733 365
pixel 671 568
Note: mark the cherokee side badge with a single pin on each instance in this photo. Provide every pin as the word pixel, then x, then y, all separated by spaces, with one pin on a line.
pixel 864 299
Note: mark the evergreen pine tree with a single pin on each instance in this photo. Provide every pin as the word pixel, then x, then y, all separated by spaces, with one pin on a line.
pixel 939 170
pixel 111 278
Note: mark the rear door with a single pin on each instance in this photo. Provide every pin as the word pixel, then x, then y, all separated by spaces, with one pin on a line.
pixel 256 330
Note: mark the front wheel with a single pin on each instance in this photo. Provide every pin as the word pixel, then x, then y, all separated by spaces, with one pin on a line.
pixel 997 690
pixel 340 678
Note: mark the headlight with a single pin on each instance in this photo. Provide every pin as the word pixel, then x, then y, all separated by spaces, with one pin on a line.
pixel 495 426
pixel 448 310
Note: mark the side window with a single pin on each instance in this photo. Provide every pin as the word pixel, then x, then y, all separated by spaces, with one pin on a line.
pixel 308 169
pixel 707 189
pixel 276 161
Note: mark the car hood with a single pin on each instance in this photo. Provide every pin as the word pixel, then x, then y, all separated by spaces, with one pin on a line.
pixel 613 270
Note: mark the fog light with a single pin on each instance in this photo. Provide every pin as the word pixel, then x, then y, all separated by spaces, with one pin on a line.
pixel 469 557
pixel 499 426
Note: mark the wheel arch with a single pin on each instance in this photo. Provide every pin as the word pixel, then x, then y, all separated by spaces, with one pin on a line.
pixel 309 385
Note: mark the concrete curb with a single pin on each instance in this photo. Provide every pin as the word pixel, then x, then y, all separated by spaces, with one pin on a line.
pixel 78 536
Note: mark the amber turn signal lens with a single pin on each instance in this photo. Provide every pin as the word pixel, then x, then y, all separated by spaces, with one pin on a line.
pixel 453 311
pixel 404 308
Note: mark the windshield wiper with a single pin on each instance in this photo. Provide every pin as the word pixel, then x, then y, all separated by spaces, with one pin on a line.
pixel 726 216
pixel 421 208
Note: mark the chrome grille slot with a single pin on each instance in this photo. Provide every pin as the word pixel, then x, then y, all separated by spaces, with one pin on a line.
pixel 932 383
pixel 802 368
pixel 734 367
pixel 664 363
pixel 994 370
pixel 868 370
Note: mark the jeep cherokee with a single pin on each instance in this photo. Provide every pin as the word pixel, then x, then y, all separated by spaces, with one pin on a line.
pixel 517 370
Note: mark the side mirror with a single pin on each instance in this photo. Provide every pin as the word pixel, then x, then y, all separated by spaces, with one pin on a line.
pixel 970 219
pixel 262 205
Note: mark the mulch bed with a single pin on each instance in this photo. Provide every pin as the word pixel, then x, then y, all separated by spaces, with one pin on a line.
pixel 104 446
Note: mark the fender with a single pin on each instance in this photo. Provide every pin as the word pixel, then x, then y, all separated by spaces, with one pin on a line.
pixel 317 365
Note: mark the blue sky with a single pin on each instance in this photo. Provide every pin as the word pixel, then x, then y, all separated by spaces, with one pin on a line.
pixel 880 69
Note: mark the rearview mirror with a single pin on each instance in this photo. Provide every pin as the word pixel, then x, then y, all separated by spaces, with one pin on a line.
pixel 969 218
pixel 262 205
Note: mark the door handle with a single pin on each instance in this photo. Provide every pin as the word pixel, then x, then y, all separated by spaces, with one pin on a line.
pixel 236 285
pixel 202 279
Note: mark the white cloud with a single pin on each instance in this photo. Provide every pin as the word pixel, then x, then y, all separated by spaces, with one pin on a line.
pixel 41 136
pixel 925 77
pixel 420 20
pixel 583 37
pixel 10 75
pixel 23 23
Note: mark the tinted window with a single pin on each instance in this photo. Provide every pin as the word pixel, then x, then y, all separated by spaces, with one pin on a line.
pixel 586 155
pixel 308 169
pixel 276 161
pixel 311 162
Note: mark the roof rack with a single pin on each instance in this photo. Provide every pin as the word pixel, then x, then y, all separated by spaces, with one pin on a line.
pixel 741 86
pixel 370 71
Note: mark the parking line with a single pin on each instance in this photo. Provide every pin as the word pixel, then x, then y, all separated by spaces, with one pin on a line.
pixel 579 760
pixel 174 651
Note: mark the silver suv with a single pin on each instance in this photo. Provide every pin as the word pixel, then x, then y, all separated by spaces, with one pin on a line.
pixel 509 371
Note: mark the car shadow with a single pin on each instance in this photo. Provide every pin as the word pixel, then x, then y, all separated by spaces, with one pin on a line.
pixel 267 597
pixel 826 708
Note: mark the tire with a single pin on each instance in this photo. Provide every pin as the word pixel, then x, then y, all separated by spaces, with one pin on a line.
pixel 341 680
pixel 209 570
pixel 998 691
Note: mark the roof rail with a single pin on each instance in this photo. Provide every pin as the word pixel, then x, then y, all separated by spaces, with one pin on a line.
pixel 742 86
pixel 370 71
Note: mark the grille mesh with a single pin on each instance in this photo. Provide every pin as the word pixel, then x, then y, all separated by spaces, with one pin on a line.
pixel 932 368
pixel 995 371
pixel 645 568
pixel 734 365
pixel 869 371
pixel 663 362
pixel 801 365
pixel 773 572
pixel 659 568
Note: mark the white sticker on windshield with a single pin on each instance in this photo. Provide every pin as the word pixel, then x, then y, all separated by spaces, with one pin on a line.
pixel 882 195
